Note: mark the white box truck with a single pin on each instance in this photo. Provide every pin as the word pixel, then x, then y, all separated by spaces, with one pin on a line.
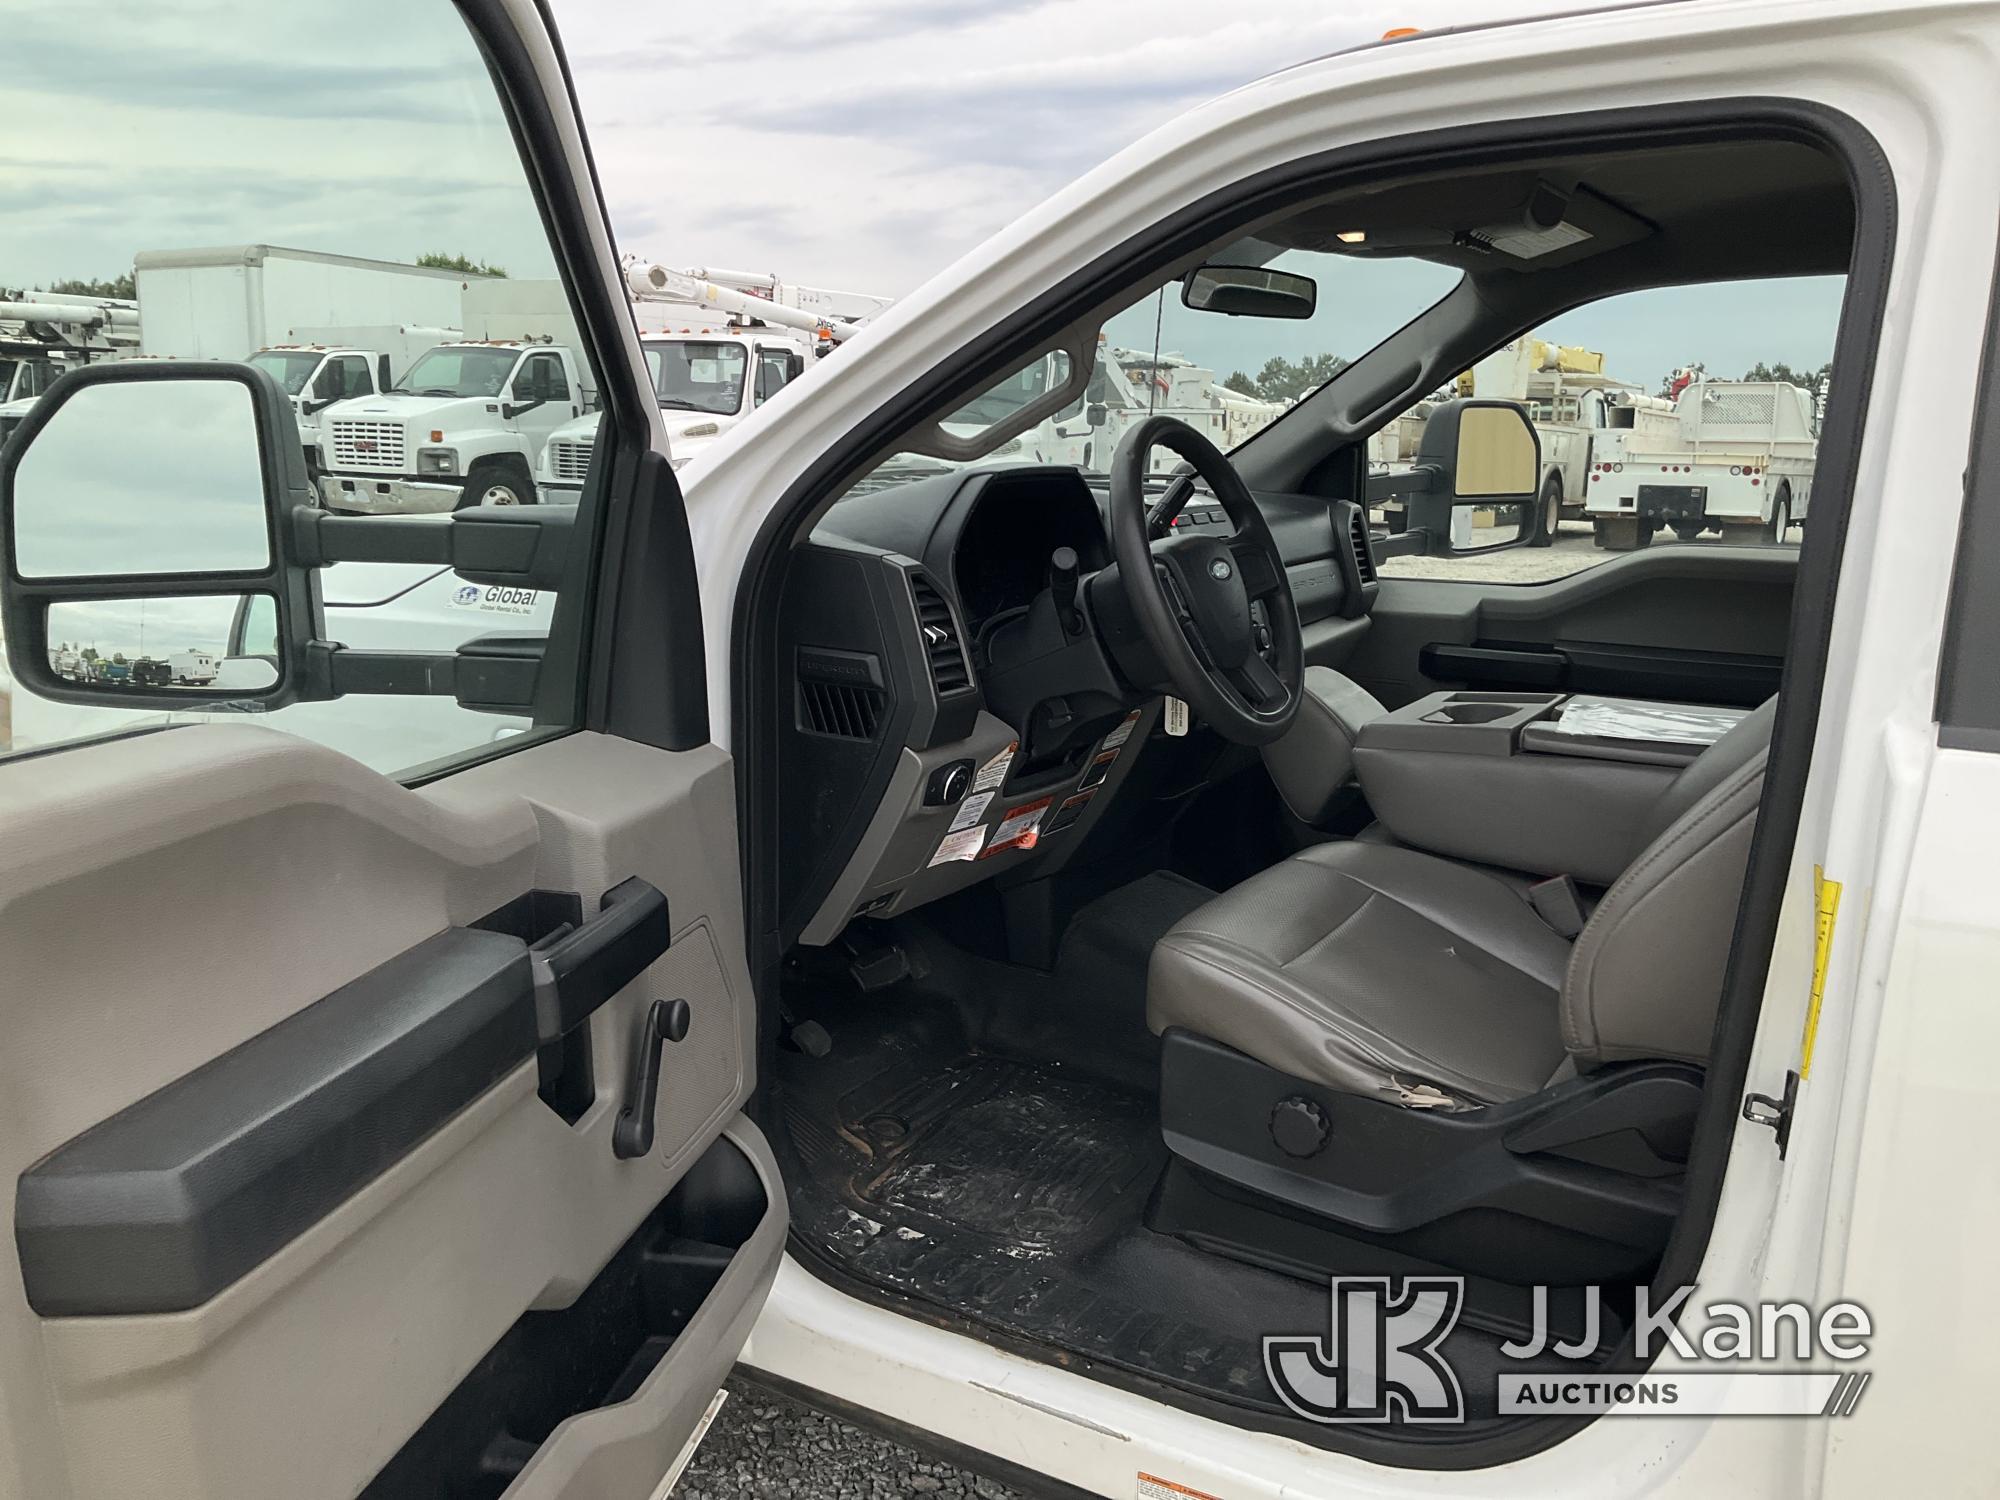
pixel 327 327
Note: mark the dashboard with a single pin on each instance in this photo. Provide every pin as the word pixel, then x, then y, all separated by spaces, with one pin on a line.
pixel 953 709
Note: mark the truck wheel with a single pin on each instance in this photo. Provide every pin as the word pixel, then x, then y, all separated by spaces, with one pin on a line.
pixel 1781 515
pixel 496 482
pixel 1548 512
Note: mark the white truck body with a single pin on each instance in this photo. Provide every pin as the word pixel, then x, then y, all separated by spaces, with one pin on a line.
pixel 1737 457
pixel 467 420
pixel 224 303
pixel 707 379
pixel 245 301
pixel 326 365
pixel 193 667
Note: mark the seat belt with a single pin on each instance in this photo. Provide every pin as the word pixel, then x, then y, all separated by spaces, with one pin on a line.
pixel 1557 903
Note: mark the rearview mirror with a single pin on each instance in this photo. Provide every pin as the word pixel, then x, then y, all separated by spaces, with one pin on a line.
pixel 1249 292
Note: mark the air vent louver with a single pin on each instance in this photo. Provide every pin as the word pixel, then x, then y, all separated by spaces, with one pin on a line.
pixel 844 710
pixel 940 633
pixel 1357 532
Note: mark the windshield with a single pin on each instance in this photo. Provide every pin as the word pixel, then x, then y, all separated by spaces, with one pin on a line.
pixel 291 371
pixel 7 369
pixel 455 370
pixel 1228 377
pixel 698 376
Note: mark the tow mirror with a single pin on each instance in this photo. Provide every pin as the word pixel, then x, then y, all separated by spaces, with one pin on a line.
pixel 147 508
pixel 1475 481
pixel 1249 292
pixel 142 505
pixel 1097 414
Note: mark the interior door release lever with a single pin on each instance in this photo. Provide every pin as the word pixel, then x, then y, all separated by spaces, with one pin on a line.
pixel 632 1134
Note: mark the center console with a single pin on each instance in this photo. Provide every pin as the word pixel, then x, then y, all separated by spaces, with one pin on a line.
pixel 1543 782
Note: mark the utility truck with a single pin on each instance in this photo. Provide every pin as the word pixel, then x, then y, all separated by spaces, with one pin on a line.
pixel 1574 405
pixel 45 334
pixel 467 422
pixel 1733 456
pixel 718 345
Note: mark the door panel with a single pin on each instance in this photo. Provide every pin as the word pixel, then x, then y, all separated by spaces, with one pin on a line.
pixel 1696 624
pixel 172 896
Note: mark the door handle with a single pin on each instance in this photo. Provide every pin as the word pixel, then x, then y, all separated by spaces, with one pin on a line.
pixel 578 968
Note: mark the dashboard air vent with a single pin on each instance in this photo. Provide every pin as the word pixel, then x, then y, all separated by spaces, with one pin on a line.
pixel 845 710
pixel 1357 532
pixel 941 644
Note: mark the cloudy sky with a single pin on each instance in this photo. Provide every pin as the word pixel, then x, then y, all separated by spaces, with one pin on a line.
pixel 861 145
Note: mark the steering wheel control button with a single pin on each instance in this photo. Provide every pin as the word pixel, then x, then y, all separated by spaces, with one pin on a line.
pixel 1299 1127
pixel 948 783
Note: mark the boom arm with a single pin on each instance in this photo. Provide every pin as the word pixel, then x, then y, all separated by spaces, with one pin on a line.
pixel 657 283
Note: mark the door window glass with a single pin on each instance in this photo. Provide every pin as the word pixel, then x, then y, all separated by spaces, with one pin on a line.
pixel 383 211
pixel 1681 416
pixel 774 370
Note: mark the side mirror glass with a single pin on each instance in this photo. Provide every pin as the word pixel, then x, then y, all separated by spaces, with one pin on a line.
pixel 142 503
pixel 131 478
pixel 1097 414
pixel 1479 464
pixel 1249 292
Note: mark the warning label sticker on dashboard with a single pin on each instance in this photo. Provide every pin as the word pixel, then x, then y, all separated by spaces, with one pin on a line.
pixel 1019 828
pixel 1152 1487
pixel 971 810
pixel 994 772
pixel 1122 733
pixel 962 845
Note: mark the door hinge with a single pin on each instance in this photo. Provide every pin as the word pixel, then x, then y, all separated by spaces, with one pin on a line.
pixel 1762 1109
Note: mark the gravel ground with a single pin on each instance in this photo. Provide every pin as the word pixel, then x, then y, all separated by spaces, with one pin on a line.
pixel 765 1447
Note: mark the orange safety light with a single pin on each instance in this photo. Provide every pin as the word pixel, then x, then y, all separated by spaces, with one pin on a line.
pixel 437 434
pixel 1395 31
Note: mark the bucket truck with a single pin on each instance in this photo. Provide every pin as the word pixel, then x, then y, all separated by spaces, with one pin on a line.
pixel 718 345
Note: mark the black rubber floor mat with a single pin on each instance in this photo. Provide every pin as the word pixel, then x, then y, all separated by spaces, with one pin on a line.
pixel 1016 1152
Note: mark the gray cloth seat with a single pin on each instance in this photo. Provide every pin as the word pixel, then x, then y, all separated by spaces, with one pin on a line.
pixel 1387 972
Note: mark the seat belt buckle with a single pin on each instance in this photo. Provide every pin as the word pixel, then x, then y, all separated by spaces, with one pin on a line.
pixel 1557 903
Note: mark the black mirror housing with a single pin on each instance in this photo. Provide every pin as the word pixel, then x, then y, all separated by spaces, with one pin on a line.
pixel 1249 292
pixel 1475 455
pixel 61 422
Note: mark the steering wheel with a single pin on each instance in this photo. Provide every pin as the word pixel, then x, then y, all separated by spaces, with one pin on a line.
pixel 1191 593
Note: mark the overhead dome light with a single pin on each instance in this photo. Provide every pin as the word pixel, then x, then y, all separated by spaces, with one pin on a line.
pixel 1352 236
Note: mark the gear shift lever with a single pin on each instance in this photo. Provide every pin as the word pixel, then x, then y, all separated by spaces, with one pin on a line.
pixel 1063 568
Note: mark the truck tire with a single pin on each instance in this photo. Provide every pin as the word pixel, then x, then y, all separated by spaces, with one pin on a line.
pixel 1781 515
pixel 1548 512
pixel 497 481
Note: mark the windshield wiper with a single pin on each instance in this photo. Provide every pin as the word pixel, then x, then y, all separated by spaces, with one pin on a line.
pixel 674 403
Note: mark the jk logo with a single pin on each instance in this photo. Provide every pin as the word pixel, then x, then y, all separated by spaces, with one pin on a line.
pixel 1379 1361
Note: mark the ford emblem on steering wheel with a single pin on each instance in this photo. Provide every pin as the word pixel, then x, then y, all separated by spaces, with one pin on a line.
pixel 1219 569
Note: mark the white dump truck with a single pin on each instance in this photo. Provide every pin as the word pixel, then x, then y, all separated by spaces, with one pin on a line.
pixel 1737 457
pixel 467 422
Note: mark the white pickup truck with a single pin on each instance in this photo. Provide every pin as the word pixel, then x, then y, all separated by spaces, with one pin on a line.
pixel 1738 459
pixel 465 425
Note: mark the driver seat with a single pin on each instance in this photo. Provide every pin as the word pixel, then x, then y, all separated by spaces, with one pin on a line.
pixel 1379 971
